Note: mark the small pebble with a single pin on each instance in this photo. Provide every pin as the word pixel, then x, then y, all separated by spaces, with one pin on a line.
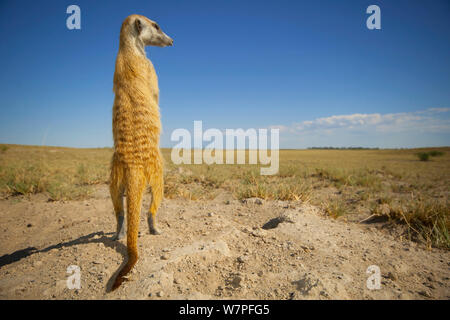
pixel 425 293
pixel 392 276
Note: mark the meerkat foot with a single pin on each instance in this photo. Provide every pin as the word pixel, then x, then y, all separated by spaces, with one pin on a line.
pixel 120 233
pixel 152 226
pixel 155 231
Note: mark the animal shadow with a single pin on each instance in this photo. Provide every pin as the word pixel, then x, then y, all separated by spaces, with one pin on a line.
pixel 89 238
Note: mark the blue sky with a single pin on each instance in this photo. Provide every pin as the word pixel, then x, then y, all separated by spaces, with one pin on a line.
pixel 310 68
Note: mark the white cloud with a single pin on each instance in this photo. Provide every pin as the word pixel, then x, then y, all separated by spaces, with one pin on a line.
pixel 430 120
pixel 280 127
pixel 437 110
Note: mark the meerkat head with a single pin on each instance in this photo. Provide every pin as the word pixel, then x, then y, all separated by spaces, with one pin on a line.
pixel 145 32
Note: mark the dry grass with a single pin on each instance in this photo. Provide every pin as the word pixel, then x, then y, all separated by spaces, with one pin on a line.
pixel 393 183
pixel 62 173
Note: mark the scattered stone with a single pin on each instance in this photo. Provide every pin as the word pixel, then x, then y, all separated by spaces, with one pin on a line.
pixel 425 293
pixel 29 225
pixel 164 257
pixel 247 230
pixel 305 248
pixel 236 282
pixel 253 200
pixel 160 294
pixel 392 276
pixel 324 293
pixel 210 214
pixel 242 259
pixel 258 233
pixel 258 201
pixel 283 204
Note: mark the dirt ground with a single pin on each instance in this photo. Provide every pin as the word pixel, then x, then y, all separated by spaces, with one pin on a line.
pixel 218 249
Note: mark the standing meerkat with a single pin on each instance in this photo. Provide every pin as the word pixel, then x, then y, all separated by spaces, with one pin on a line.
pixel 137 159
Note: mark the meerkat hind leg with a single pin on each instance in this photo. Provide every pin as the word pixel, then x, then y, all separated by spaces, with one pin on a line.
pixel 117 197
pixel 152 224
pixel 156 187
pixel 120 232
pixel 151 218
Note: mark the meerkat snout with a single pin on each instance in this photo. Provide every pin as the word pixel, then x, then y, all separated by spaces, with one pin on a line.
pixel 150 33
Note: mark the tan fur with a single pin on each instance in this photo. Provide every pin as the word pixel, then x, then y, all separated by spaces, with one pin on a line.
pixel 137 159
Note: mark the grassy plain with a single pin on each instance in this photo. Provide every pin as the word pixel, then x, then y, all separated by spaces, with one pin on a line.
pixel 394 184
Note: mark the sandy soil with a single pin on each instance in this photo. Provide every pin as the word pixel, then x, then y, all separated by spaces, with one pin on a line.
pixel 218 249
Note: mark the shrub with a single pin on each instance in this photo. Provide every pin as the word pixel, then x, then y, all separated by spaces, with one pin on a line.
pixel 423 156
pixel 436 153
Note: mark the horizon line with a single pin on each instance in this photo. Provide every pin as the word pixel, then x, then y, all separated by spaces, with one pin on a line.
pixel 246 149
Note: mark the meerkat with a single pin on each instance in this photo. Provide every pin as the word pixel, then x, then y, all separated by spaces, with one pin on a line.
pixel 137 160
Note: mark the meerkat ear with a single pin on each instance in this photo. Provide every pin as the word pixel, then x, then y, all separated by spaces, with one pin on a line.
pixel 138 25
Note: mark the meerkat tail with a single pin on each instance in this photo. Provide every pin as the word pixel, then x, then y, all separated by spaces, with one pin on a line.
pixel 135 186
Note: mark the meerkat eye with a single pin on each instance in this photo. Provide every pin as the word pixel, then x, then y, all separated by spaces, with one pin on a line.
pixel 156 27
